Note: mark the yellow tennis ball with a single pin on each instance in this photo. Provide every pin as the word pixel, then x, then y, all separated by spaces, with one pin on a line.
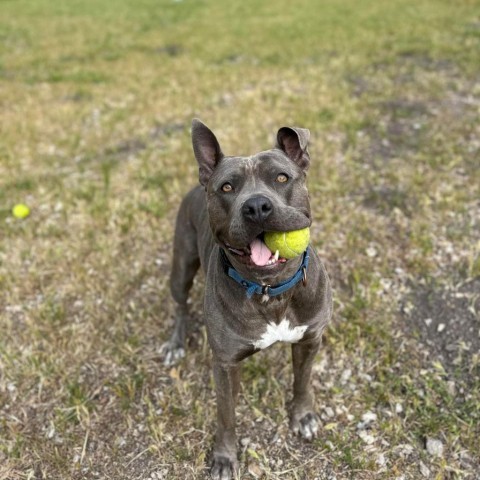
pixel 289 244
pixel 20 211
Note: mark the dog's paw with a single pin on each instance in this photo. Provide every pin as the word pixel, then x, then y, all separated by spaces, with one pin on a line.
pixel 223 468
pixel 171 353
pixel 306 426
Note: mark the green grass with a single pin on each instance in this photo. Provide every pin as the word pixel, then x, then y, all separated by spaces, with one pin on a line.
pixel 96 102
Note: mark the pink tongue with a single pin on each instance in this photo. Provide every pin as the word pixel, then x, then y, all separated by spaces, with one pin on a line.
pixel 260 253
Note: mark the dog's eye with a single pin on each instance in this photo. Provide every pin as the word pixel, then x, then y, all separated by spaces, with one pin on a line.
pixel 226 187
pixel 282 178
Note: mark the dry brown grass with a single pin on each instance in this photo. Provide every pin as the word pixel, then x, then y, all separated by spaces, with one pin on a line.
pixel 95 109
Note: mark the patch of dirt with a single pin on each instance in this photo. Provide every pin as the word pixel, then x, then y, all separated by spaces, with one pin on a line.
pixel 134 145
pixel 448 323
pixel 127 147
pixel 384 198
pixel 411 60
pixel 412 121
pixel 171 49
pixel 401 131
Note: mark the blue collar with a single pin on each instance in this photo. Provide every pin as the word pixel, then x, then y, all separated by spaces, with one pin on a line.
pixel 271 291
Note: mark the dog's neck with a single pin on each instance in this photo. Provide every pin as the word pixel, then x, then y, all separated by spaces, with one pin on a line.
pixel 264 276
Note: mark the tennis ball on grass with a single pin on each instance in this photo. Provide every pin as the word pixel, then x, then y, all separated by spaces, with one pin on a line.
pixel 289 244
pixel 20 211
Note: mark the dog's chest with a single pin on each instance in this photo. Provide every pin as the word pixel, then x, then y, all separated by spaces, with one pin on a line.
pixel 280 332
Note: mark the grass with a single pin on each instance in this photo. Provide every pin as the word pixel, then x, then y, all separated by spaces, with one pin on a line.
pixel 96 103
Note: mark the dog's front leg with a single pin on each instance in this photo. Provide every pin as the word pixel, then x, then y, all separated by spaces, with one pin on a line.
pixel 227 383
pixel 303 419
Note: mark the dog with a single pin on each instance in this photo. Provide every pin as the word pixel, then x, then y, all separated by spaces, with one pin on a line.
pixel 253 297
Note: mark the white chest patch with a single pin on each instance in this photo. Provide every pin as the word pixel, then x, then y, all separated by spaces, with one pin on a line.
pixel 280 333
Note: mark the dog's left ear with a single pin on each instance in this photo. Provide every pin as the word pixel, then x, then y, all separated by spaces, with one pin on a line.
pixel 294 142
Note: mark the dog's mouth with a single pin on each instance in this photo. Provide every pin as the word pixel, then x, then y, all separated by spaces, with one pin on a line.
pixel 256 253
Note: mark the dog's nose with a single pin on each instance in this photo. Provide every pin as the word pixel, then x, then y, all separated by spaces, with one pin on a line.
pixel 257 209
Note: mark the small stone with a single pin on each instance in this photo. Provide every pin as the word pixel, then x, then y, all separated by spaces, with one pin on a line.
pixel 424 470
pixel 434 447
pixel 398 408
pixel 404 449
pixel 329 411
pixel 441 327
pixel 346 374
pixel 244 442
pixel 366 437
pixel 428 322
pixel 381 460
pixel 367 419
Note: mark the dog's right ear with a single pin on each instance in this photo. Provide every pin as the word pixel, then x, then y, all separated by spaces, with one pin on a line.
pixel 206 148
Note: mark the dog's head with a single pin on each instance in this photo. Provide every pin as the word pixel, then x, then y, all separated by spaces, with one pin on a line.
pixel 248 196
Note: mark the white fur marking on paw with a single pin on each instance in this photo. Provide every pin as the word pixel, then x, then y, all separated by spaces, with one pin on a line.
pixel 171 355
pixel 280 333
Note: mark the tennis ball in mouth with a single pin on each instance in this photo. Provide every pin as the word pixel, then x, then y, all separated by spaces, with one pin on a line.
pixel 289 244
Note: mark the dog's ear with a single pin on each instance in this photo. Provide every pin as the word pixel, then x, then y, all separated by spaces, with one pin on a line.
pixel 294 142
pixel 206 148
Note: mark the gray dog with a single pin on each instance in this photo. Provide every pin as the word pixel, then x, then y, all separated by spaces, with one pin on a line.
pixel 253 297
